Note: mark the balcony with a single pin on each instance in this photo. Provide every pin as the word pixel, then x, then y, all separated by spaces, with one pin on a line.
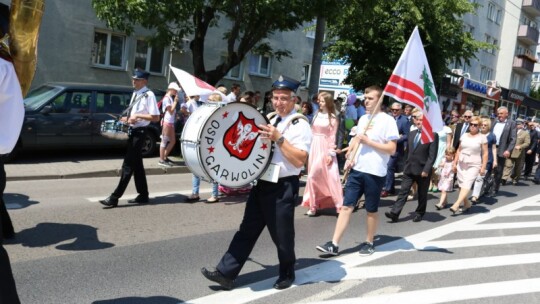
pixel 528 35
pixel 523 65
pixel 531 7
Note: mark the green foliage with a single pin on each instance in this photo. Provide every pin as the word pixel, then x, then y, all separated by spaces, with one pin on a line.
pixel 245 24
pixel 535 92
pixel 372 35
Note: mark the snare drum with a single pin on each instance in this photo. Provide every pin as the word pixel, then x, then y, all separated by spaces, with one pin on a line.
pixel 115 129
pixel 221 143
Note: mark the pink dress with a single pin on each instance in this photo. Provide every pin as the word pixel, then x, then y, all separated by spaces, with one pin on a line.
pixel 323 187
pixel 447 177
pixel 470 159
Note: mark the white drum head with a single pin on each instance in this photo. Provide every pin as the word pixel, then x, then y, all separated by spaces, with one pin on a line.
pixel 231 150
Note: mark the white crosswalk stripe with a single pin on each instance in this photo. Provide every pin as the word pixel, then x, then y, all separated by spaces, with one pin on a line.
pixel 349 270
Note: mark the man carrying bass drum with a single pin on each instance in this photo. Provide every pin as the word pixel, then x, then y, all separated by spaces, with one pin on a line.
pixel 271 203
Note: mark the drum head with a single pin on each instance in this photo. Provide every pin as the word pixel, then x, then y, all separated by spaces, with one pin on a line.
pixel 231 149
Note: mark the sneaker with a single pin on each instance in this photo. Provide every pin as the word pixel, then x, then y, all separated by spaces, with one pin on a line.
pixel 329 248
pixel 170 162
pixel 164 163
pixel 366 248
pixel 311 212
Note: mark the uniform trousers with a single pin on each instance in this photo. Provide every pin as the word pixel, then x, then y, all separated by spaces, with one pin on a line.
pixel 133 164
pixel 407 181
pixel 513 167
pixel 529 163
pixel 8 290
pixel 271 205
pixel 499 172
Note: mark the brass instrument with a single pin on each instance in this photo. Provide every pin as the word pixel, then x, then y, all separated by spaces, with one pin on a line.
pixel 24 22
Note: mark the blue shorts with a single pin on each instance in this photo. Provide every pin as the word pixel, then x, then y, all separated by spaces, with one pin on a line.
pixel 360 183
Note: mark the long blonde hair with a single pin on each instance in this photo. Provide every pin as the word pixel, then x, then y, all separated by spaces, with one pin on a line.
pixel 330 106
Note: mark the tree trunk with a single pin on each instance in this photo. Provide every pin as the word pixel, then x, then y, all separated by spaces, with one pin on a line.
pixel 317 56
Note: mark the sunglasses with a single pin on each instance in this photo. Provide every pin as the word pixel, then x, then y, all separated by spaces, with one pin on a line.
pixel 467 116
pixel 394 110
pixel 474 125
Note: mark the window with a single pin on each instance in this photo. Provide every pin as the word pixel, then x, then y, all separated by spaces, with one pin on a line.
pixel 113 103
pixel 536 77
pixel 149 58
pixel 485 73
pixel 72 102
pixel 468 28
pixel 109 49
pixel 306 73
pixel 493 41
pixel 260 65
pixel 236 72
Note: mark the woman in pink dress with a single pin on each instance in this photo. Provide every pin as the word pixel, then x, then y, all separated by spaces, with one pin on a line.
pixel 323 187
pixel 470 162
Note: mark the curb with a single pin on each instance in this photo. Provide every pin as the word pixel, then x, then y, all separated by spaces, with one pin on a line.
pixel 104 173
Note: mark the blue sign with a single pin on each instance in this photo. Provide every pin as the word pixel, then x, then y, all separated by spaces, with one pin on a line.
pixel 474 86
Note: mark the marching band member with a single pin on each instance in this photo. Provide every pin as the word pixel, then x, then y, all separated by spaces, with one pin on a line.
pixel 141 111
pixel 272 203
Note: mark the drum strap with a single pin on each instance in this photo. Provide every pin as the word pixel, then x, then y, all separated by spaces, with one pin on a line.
pixel 293 119
pixel 127 112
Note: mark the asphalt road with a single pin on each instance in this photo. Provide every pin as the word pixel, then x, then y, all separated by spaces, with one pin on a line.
pixel 71 250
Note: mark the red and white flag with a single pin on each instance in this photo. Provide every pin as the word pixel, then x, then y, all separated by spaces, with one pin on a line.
pixel 190 84
pixel 412 83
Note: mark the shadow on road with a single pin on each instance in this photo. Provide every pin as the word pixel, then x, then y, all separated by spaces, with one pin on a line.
pixel 18 201
pixel 139 300
pixel 83 237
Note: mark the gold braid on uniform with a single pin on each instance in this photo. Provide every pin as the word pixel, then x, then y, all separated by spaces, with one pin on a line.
pixel 4 48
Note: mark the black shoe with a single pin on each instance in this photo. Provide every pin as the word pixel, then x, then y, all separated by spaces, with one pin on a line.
pixel 329 248
pixel 284 283
pixel 140 199
pixel 536 181
pixel 503 182
pixel 218 277
pixel 193 198
pixel 110 201
pixel 417 218
pixel 9 235
pixel 391 216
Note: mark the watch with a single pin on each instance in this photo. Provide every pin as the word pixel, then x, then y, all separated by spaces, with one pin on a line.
pixel 280 140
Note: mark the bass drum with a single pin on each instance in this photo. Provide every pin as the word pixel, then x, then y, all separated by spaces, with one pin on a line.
pixel 220 143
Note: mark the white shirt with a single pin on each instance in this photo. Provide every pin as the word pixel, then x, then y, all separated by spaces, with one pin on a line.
pixel 498 129
pixel 231 97
pixel 190 105
pixel 383 128
pixel 298 135
pixel 11 107
pixel 144 105
pixel 168 117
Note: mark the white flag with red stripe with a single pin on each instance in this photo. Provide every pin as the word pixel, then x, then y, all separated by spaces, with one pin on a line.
pixel 412 83
pixel 192 85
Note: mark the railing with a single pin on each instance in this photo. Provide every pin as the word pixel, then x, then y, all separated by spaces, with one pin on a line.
pixel 532 7
pixel 528 34
pixel 523 64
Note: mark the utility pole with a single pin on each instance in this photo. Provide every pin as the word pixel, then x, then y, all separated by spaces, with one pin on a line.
pixel 316 61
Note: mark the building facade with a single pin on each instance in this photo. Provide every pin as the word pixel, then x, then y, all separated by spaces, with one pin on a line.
pixel 75 46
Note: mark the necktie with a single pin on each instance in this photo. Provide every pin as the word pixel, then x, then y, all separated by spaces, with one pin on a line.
pixel 416 139
pixel 464 130
pixel 278 119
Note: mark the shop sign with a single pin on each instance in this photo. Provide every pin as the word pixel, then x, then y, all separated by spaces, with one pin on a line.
pixel 473 86
pixel 493 93
pixel 517 97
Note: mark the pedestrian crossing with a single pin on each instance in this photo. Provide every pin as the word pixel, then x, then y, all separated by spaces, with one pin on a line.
pixel 471 252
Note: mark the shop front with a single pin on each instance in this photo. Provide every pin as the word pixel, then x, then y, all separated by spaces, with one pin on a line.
pixel 478 97
pixel 513 100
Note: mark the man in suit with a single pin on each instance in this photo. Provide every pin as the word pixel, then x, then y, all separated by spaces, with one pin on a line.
pixel 396 160
pixel 514 164
pixel 461 128
pixel 418 167
pixel 530 155
pixel 506 132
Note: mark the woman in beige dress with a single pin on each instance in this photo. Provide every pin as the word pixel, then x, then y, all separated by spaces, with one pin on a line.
pixel 470 161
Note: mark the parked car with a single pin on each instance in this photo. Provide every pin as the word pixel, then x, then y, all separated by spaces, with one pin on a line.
pixel 69 115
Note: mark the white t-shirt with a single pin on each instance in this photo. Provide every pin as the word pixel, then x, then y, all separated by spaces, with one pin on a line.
pixel 297 134
pixel 190 105
pixel 383 128
pixel 11 107
pixel 168 117
pixel 145 104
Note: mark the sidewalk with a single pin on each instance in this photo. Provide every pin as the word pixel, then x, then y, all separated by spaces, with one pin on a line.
pixel 82 168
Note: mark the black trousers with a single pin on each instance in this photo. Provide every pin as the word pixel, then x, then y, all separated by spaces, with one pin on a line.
pixel 8 290
pixel 498 173
pixel 271 205
pixel 529 163
pixel 133 165
pixel 406 185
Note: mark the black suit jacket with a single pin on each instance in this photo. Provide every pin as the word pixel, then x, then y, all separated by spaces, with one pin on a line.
pixel 457 134
pixel 508 137
pixel 534 141
pixel 421 158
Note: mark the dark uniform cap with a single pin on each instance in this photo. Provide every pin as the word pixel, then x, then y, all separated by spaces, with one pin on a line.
pixel 140 74
pixel 285 82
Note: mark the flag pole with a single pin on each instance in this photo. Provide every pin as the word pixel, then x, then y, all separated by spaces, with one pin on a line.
pixel 352 154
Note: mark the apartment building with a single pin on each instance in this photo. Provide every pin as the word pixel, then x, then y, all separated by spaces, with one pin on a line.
pixel 499 76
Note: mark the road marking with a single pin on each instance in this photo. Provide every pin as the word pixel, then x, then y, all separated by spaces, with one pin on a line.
pixel 338 268
pixel 331 292
pixel 449 294
pixel 500 226
pixel 155 194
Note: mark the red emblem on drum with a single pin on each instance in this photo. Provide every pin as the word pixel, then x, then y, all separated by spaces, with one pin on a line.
pixel 240 138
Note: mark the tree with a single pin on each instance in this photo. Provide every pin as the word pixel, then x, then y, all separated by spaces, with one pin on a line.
pixel 372 35
pixel 245 25
pixel 535 92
